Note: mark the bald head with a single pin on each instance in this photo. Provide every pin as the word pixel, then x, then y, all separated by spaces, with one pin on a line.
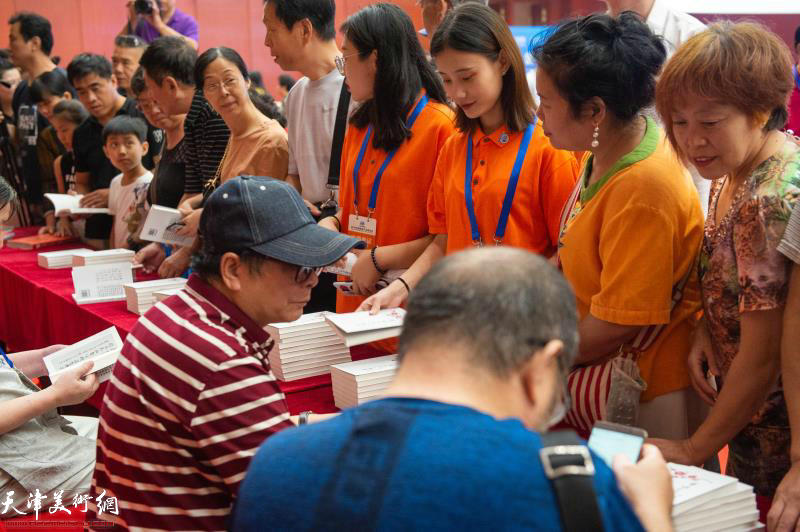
pixel 498 304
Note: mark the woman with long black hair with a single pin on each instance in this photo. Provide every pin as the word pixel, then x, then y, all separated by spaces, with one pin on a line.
pixel 392 144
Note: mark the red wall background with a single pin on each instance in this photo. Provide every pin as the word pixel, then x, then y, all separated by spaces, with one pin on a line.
pixel 91 25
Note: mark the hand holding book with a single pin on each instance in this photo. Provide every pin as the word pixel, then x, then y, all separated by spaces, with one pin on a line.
pixel 75 385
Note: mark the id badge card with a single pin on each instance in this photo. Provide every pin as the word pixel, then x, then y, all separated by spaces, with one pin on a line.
pixel 363 227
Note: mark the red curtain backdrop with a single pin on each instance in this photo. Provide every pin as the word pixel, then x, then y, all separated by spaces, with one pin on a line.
pixel 91 25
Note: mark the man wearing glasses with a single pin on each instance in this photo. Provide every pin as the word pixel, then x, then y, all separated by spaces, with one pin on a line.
pixel 192 396
pixel 456 443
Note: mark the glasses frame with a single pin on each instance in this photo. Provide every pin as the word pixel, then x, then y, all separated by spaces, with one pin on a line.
pixel 303 273
pixel 341 62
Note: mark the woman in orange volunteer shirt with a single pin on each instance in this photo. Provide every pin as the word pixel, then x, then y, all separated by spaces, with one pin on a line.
pixel 632 231
pixel 498 181
pixel 391 145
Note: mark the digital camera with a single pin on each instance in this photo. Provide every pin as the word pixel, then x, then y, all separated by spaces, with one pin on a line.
pixel 143 7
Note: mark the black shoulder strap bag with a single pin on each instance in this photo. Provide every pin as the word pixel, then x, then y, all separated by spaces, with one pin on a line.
pixel 330 206
pixel 568 465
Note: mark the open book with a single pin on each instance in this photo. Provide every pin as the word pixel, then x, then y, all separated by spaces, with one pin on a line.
pixel 357 328
pixel 161 224
pixel 71 204
pixel 103 349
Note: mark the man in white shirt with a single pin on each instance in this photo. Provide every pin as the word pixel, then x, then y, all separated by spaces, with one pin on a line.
pixel 676 28
pixel 301 37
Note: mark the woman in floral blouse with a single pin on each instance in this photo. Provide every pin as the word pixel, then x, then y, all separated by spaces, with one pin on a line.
pixel 723 100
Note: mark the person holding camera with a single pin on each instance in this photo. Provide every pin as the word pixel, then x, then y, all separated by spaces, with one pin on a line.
pixel 151 19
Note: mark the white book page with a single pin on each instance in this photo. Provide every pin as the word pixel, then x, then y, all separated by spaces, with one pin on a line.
pixel 161 225
pixel 103 348
pixel 355 322
pixel 305 319
pixel 159 284
pixel 689 482
pixel 66 253
pixel 101 280
pixel 371 365
pixel 71 204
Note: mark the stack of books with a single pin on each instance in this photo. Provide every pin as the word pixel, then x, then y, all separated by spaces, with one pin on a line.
pixel 305 348
pixel 355 383
pixel 53 260
pixel 709 501
pixel 141 296
pixel 107 256
pixel 356 328
pixel 161 295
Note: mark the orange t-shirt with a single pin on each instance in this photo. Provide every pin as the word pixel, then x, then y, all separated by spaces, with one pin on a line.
pixel 400 209
pixel 632 237
pixel 545 183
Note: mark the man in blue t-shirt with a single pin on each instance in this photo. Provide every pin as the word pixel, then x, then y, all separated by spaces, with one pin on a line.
pixel 455 445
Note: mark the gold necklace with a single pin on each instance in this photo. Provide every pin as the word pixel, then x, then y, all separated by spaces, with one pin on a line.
pixel 214 183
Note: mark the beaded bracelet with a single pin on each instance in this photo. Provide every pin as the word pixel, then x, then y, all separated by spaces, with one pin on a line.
pixel 375 261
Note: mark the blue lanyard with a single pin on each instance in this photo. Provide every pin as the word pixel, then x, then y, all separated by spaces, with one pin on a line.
pixel 6 357
pixel 373 197
pixel 796 77
pixel 510 191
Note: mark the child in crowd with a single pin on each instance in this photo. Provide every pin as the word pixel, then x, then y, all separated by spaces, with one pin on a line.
pixel 67 116
pixel 125 143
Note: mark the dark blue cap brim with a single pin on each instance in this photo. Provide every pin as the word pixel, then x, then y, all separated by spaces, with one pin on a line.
pixel 311 246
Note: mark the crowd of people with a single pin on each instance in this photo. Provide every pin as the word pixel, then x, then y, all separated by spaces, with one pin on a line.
pixel 623 247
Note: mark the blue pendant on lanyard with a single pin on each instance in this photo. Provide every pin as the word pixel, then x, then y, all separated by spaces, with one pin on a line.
pixel 373 197
pixel 510 191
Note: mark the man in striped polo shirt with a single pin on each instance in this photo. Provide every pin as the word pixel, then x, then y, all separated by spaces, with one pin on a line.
pixel 168 65
pixel 192 396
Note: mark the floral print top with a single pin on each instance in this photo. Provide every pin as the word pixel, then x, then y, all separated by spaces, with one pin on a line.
pixel 742 271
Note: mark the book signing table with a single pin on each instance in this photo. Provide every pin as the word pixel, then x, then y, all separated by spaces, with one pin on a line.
pixel 37 310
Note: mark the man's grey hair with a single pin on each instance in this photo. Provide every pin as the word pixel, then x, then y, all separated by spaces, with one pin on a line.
pixel 501 304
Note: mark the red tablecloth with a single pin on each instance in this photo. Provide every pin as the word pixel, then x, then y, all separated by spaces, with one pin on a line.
pixel 37 310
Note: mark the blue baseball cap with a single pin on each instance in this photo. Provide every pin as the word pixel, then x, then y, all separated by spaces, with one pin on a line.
pixel 269 217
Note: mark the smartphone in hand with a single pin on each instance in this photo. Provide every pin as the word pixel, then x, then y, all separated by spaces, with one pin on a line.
pixel 610 439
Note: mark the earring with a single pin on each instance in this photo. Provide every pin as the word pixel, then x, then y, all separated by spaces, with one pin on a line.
pixel 595 134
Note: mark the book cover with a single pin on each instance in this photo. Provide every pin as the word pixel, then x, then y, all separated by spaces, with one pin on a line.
pixel 40 241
